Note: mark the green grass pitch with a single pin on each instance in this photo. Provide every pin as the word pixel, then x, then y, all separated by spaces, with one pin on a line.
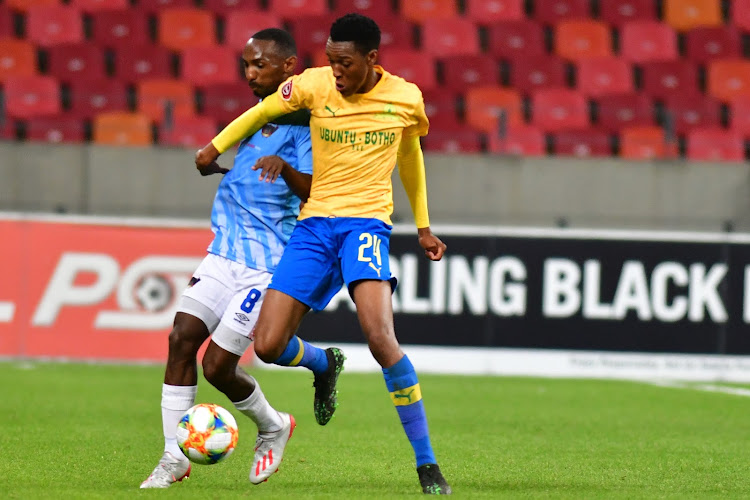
pixel 94 431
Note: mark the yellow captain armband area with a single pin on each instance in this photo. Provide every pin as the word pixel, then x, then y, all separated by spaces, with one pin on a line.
pixel 411 171
pixel 248 123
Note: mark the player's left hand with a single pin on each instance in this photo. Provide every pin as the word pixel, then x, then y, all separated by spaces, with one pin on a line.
pixel 270 167
pixel 433 247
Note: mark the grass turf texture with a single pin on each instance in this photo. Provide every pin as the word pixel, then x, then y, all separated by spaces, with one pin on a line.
pixel 94 431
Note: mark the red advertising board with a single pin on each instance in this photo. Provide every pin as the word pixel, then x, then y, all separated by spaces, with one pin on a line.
pixel 84 289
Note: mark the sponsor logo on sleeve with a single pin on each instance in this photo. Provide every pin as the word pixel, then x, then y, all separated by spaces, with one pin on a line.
pixel 286 91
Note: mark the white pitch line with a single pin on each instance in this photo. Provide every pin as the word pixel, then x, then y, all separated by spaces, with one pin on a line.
pixel 735 391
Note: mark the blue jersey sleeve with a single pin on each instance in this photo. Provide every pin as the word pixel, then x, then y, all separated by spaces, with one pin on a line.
pixel 304 150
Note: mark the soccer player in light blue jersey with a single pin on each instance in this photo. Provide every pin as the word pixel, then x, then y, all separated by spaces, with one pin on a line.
pixel 254 212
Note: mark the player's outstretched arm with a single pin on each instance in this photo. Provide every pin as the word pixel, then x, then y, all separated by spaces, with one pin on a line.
pixel 411 171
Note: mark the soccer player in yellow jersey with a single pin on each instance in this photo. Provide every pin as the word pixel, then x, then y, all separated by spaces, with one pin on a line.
pixel 363 121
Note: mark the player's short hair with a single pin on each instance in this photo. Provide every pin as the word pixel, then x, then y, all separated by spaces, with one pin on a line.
pixel 361 30
pixel 284 40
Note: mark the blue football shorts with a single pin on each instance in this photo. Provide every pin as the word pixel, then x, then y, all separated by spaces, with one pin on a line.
pixel 324 253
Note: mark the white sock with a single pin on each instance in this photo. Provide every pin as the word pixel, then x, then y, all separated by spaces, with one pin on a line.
pixel 256 407
pixel 175 401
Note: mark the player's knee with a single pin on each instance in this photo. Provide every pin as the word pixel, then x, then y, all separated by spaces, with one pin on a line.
pixel 267 351
pixel 183 341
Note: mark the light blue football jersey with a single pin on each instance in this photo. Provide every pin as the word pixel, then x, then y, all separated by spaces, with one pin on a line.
pixel 253 219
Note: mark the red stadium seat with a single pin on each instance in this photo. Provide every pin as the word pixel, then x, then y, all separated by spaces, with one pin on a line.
pixel 153 7
pixel 740 14
pixel 688 112
pixel 450 37
pixel 715 144
pixel 582 39
pixel 554 110
pixel 490 11
pixel 411 65
pixel 417 11
pixel 554 11
pixel 617 112
pixel 683 15
pixel 310 33
pixel 728 78
pixel 597 77
pixel 536 72
pixel 89 98
pixel 486 107
pixel 461 72
pixel 25 5
pixel 227 101
pixel 702 45
pixel 143 61
pixel 643 41
pixel 739 115
pixel 120 29
pixel 7 130
pixel 514 40
pixel 440 106
pixel 645 143
pixel 224 7
pixel 584 143
pixel 179 28
pixel 453 141
pixel 55 129
pixel 619 12
pixel 155 96
pixel 76 61
pixel 209 65
pixel 31 96
pixel 665 78
pixel 378 10
pixel 521 140
pixel 17 58
pixel 291 9
pixel 242 24
pixel 190 132
pixel 47 26
pixel 119 128
pixel 92 6
pixel 6 22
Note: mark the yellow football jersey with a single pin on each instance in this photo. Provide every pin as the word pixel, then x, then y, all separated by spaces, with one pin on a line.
pixel 355 140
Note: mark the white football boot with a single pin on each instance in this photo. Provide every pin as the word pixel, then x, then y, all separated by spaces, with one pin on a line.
pixel 169 470
pixel 269 450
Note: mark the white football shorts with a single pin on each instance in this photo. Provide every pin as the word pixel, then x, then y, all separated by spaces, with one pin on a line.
pixel 226 296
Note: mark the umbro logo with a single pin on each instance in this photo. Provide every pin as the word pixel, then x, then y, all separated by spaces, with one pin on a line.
pixel 241 318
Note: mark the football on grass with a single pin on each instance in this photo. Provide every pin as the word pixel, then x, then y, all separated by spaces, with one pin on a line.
pixel 207 433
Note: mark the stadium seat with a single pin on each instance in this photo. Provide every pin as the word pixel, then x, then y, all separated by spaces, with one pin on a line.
pixel 583 143
pixel 152 7
pixel 686 112
pixel 535 72
pixel 31 96
pixel 739 12
pixel 728 78
pixel 664 78
pixel 209 65
pixel 7 129
pixel 76 61
pixel 450 37
pixel 119 128
pixel 226 101
pixel 291 9
pixel 195 131
pixel 619 12
pixel 514 40
pixel 440 106
pixel 154 96
pixel 643 41
pixel 25 5
pixel 554 11
pixel 582 39
pixel 6 22
pixel 143 61
pixel 51 25
pixel 117 29
pixel 620 111
pixel 520 140
pixel 224 7
pixel 739 115
pixel 702 45
pixel 417 11
pixel 310 33
pixel 89 98
pixel 553 110
pixel 683 15
pixel 485 107
pixel 240 25
pixel 601 76
pixel 715 144
pixel 378 10
pixel 645 143
pixel 461 72
pixel 92 6
pixel 489 11
pixel 55 129
pixel 453 141
pixel 179 28
pixel 411 65
pixel 17 58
